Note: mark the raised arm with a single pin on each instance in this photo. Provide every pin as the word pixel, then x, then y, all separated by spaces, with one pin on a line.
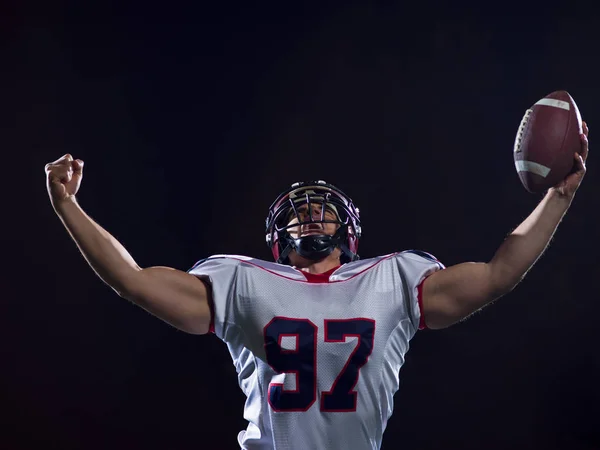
pixel 176 297
pixel 454 293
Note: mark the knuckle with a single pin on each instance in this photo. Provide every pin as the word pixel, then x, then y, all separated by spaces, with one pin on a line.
pixel 58 171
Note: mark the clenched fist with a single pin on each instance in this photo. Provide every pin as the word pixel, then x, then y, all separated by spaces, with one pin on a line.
pixel 63 178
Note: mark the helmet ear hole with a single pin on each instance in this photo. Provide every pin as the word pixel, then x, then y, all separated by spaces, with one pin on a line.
pixel 353 243
pixel 273 243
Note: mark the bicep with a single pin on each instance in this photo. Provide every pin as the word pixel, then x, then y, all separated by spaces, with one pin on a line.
pixel 454 293
pixel 173 296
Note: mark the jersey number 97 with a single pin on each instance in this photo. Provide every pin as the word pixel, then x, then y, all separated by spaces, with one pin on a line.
pixel 302 361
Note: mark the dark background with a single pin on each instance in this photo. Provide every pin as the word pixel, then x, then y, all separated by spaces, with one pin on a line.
pixel 192 119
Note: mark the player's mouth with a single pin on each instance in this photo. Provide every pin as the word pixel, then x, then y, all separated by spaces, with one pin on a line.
pixel 311 228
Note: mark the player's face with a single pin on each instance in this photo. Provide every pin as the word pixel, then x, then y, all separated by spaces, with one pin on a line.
pixel 306 227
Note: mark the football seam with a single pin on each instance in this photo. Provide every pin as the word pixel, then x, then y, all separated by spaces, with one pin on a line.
pixel 523 127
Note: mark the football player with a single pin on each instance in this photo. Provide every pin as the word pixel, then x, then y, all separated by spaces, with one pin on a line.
pixel 318 336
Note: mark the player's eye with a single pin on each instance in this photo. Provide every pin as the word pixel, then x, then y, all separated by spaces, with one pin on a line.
pixel 330 213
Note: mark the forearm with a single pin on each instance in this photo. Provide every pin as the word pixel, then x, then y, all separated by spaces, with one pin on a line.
pixel 107 257
pixel 521 249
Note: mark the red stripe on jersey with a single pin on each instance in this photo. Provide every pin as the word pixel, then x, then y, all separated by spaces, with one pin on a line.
pixel 422 324
pixel 211 304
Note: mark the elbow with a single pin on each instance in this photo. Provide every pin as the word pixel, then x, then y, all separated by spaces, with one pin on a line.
pixel 505 288
pixel 504 280
pixel 131 295
pixel 499 291
pixel 124 293
pixel 126 285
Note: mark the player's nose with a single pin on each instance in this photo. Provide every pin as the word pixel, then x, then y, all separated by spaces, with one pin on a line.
pixel 315 214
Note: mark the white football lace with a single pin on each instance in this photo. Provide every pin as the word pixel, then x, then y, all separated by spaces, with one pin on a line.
pixel 521 130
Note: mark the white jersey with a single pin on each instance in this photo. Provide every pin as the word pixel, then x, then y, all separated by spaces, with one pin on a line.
pixel 319 356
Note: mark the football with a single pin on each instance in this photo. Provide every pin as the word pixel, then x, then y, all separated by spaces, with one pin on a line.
pixel 546 141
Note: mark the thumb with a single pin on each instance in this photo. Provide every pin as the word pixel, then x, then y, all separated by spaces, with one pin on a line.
pixel 77 166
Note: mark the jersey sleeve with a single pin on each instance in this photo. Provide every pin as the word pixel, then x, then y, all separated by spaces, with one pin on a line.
pixel 219 275
pixel 416 266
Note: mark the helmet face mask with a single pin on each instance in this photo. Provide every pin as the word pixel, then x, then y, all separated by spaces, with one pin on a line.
pixel 331 202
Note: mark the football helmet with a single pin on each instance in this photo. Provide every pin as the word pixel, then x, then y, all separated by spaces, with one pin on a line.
pixel 313 246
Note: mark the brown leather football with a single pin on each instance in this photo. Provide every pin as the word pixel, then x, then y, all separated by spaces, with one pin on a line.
pixel 546 142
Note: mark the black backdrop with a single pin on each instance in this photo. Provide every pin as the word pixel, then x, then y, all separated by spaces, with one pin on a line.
pixel 192 119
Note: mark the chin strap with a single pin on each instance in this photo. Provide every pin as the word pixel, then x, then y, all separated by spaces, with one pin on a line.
pixel 316 246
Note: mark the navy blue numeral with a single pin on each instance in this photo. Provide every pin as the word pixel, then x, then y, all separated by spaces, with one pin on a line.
pixel 300 361
pixel 342 397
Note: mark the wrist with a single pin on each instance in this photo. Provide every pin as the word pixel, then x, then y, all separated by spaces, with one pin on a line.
pixel 63 205
pixel 558 196
pixel 557 203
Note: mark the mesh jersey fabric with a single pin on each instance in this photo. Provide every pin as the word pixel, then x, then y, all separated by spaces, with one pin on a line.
pixel 318 362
